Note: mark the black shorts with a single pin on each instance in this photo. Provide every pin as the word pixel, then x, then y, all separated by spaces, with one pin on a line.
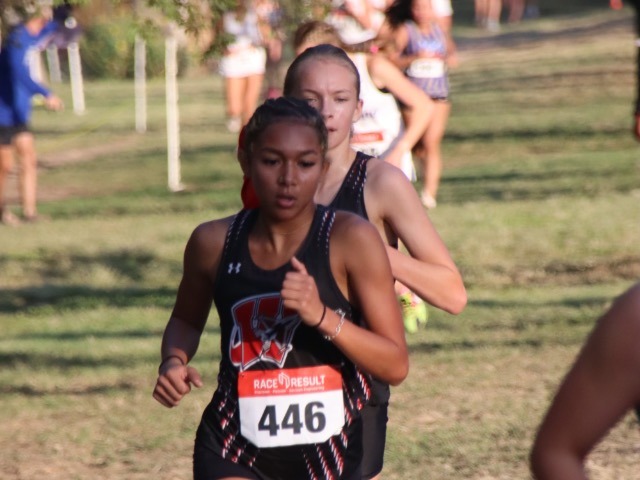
pixel 7 132
pixel 374 434
pixel 208 465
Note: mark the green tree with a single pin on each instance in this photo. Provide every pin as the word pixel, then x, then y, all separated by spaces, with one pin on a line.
pixel 192 15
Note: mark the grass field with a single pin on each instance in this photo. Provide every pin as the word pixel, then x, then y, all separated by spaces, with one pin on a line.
pixel 540 206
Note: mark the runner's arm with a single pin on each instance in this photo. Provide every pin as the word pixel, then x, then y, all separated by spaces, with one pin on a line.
pixel 381 348
pixel 193 303
pixel 428 270
pixel 395 49
pixel 387 76
pixel 361 269
pixel 600 388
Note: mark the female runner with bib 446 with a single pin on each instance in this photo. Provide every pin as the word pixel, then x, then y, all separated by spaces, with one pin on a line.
pixel 292 282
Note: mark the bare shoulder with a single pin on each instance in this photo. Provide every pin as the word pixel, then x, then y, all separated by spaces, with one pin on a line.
pixel 614 345
pixel 631 300
pixel 353 228
pixel 624 314
pixel 383 174
pixel 622 323
pixel 212 231
pixel 207 240
pixel 355 239
pixel 387 184
pixel 629 305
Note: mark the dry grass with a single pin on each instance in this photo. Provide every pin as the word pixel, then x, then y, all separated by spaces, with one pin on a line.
pixel 539 208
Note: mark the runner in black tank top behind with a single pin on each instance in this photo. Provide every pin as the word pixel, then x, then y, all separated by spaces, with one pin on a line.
pixel 326 78
pixel 291 282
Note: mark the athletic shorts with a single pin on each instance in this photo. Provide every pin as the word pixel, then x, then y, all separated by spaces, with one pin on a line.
pixel 208 465
pixel 8 132
pixel 374 434
pixel 244 63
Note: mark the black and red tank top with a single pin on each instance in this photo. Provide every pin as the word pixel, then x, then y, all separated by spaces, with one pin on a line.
pixel 281 386
pixel 350 196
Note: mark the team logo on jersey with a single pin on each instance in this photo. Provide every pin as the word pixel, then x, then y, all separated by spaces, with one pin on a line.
pixel 262 331
pixel 234 267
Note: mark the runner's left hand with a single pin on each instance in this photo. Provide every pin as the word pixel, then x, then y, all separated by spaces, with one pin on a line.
pixel 299 292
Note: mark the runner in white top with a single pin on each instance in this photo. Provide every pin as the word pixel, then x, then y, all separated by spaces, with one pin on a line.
pixel 243 62
pixel 442 8
pixel 357 21
pixel 380 127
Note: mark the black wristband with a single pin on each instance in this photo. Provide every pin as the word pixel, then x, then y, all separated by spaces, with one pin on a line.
pixel 324 312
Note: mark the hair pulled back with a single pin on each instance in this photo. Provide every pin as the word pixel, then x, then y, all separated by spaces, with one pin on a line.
pixel 284 109
pixel 319 51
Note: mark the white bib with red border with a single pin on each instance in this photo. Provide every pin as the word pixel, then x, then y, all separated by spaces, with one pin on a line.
pixel 295 406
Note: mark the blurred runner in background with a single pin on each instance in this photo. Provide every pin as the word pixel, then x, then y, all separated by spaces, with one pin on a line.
pixel 17 88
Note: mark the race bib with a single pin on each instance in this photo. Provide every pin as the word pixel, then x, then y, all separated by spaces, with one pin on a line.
pixel 367 137
pixel 370 143
pixel 294 406
pixel 426 68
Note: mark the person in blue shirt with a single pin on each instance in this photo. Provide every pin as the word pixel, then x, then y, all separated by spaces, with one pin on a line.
pixel 16 90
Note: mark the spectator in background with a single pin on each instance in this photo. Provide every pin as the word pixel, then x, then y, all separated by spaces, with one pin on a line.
pixel 602 386
pixel 327 79
pixel 357 21
pixel 63 14
pixel 515 9
pixel 243 63
pixel 420 49
pixel 380 130
pixel 16 91
pixel 522 9
pixel 488 14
